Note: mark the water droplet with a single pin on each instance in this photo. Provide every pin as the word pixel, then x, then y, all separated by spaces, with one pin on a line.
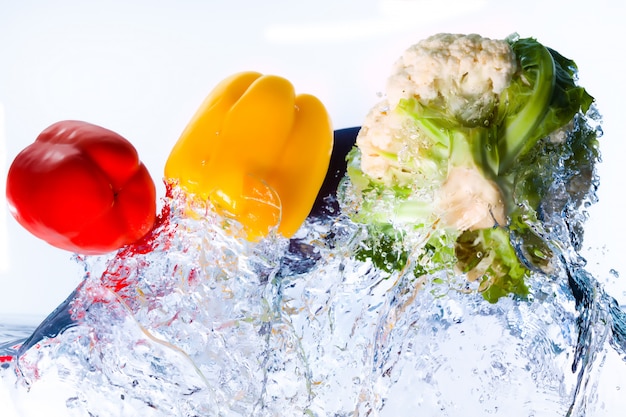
pixel 614 272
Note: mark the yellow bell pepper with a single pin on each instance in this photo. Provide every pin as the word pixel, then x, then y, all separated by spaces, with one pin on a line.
pixel 257 151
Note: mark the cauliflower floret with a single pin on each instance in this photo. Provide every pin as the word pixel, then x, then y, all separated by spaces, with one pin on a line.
pixel 463 73
pixel 469 201
pixel 389 144
pixel 378 136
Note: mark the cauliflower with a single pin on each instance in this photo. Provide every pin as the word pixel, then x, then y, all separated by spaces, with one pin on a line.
pixel 463 76
pixel 463 73
pixel 452 148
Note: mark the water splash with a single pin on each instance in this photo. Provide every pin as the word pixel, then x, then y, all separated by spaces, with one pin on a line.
pixel 194 321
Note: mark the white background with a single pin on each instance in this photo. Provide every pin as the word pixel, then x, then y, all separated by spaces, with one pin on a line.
pixel 141 68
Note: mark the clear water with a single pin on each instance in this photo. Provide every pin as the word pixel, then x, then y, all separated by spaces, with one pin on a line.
pixel 13 330
pixel 195 322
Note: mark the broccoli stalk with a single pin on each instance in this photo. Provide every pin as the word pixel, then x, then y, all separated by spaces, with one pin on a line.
pixel 478 171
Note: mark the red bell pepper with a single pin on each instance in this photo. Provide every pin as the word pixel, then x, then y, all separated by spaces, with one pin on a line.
pixel 82 188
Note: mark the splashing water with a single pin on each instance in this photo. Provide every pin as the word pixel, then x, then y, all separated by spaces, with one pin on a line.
pixel 194 321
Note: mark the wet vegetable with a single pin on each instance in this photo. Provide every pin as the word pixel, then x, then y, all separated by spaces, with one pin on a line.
pixel 466 147
pixel 82 188
pixel 257 151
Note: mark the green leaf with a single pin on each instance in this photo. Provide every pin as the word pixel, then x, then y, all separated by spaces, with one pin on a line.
pixel 525 103
pixel 486 255
pixel 383 245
